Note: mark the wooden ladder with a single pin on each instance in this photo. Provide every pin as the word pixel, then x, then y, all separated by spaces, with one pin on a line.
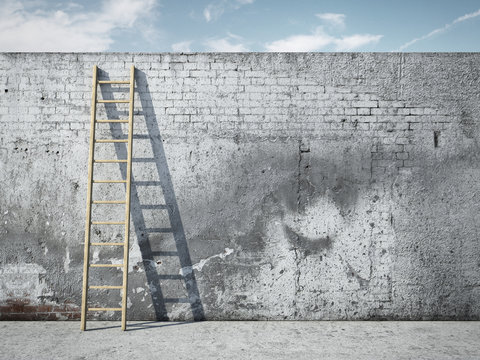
pixel 91 181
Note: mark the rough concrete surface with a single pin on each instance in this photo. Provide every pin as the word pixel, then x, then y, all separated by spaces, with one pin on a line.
pixel 265 186
pixel 241 340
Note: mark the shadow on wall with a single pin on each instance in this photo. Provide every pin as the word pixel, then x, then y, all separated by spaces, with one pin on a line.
pixel 161 196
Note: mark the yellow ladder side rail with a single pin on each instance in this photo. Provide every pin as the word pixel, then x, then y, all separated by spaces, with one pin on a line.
pixel 86 252
pixel 127 207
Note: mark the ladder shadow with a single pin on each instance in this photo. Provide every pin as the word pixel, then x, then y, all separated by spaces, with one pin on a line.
pixel 142 325
pixel 154 325
pixel 168 203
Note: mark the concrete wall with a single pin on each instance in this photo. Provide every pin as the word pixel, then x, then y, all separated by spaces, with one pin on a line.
pixel 266 186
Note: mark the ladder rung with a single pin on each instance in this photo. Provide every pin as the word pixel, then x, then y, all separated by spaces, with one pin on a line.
pixel 104 309
pixel 110 161
pixel 111 121
pixel 106 265
pixel 112 101
pixel 109 181
pixel 108 222
pixel 107 244
pixel 113 82
pixel 109 202
pixel 106 287
pixel 111 140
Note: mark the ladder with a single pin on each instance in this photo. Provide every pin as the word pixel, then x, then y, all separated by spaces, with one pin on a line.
pixel 88 224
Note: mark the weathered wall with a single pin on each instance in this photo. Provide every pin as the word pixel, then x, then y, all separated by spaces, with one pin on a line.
pixel 266 186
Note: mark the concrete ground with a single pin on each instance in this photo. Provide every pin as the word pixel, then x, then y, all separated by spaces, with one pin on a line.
pixel 241 340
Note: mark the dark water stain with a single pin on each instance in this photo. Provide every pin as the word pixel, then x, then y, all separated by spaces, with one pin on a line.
pixel 306 244
pixel 263 197
pixel 254 240
pixel 361 281
pixel 467 124
pixel 322 177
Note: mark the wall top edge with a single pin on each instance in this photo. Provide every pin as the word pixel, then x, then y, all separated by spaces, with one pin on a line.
pixel 239 53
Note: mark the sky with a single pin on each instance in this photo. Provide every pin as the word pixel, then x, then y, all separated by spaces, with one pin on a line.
pixel 239 25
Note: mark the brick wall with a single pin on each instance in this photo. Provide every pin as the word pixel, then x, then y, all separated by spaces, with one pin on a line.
pixel 294 186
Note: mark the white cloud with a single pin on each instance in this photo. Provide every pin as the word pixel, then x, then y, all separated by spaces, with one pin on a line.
pixel 315 41
pixel 216 9
pixel 227 44
pixel 70 29
pixel 207 15
pixel 353 42
pixel 182 46
pixel 466 17
pixel 440 30
pixel 234 36
pixel 337 20
pixel 319 40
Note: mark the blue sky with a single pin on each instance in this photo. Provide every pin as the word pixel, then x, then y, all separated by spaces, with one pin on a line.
pixel 239 25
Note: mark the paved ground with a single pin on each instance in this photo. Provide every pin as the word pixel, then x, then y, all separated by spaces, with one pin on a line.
pixel 241 340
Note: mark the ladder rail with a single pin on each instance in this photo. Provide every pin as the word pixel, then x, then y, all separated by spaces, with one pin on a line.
pixel 86 252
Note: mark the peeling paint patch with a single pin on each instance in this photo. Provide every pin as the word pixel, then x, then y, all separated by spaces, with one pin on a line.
pixel 66 263
pixel 95 256
pixel 23 281
pixel 134 258
pixel 199 266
